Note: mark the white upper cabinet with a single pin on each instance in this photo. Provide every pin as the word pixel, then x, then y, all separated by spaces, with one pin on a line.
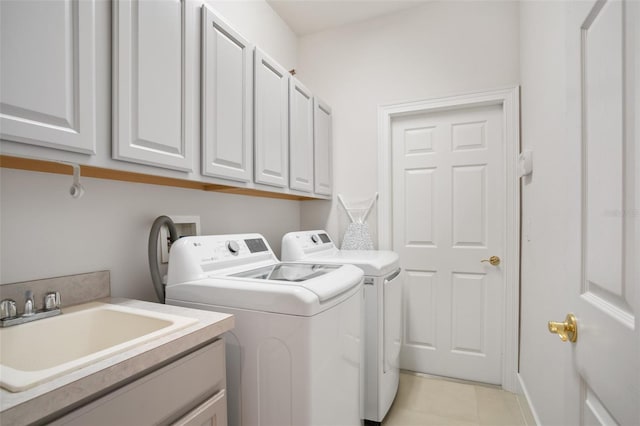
pixel 47 74
pixel 322 147
pixel 300 137
pixel 153 97
pixel 227 68
pixel 271 119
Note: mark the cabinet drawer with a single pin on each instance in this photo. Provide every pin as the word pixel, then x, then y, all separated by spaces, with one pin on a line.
pixel 211 412
pixel 160 397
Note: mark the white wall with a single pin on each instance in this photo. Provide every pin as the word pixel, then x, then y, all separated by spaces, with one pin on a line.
pixel 435 49
pixel 545 206
pixel 44 233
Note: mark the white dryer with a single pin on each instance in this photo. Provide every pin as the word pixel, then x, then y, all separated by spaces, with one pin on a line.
pixel 383 310
pixel 294 356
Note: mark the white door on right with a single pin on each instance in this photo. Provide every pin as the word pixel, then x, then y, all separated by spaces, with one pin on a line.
pixel 604 114
pixel 448 216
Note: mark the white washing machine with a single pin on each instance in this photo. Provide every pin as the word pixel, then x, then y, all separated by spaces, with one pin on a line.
pixel 295 354
pixel 383 310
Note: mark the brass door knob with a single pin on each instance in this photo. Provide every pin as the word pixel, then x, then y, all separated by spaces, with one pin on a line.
pixel 567 330
pixel 494 260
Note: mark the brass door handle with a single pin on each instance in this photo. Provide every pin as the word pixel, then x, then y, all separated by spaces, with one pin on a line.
pixel 494 260
pixel 567 330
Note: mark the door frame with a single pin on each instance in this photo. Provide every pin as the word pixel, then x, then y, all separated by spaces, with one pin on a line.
pixel 509 99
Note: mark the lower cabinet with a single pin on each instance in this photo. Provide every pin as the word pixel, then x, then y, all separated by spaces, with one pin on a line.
pixel 189 391
pixel 211 412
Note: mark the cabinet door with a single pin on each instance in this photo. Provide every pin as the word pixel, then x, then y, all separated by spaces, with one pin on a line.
pixel 47 74
pixel 212 412
pixel 271 88
pixel 301 137
pixel 322 147
pixel 153 64
pixel 226 100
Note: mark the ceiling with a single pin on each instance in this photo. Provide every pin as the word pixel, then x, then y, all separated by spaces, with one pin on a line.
pixel 310 16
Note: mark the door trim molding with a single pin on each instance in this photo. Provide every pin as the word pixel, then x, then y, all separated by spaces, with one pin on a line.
pixel 509 99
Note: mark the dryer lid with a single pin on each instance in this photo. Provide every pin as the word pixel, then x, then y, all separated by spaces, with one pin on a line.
pixel 316 246
pixel 375 263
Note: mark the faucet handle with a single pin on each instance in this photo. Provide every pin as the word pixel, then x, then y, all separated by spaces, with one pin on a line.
pixel 29 304
pixel 8 309
pixel 52 300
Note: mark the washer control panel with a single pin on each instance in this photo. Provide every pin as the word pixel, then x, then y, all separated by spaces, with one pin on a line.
pixel 221 249
pixel 198 256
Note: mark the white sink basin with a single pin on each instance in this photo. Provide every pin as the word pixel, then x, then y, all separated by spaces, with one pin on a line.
pixel 36 352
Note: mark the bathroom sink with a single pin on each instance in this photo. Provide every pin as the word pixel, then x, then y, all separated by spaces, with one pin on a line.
pixel 36 352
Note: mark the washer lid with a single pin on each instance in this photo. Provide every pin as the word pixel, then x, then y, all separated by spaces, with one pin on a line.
pixel 292 272
pixel 329 286
pixel 311 276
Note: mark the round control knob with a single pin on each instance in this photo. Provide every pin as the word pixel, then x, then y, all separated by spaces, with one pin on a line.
pixel 315 238
pixel 233 247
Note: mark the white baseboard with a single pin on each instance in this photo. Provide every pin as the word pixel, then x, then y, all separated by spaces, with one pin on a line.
pixel 528 410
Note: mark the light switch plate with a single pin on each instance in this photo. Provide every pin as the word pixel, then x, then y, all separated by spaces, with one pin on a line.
pixel 525 163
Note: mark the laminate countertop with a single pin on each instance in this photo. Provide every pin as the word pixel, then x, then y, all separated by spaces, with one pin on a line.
pixel 60 395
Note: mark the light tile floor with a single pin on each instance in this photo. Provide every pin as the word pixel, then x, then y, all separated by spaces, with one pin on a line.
pixel 425 400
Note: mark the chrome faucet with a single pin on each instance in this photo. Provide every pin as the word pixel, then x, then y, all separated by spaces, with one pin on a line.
pixel 9 315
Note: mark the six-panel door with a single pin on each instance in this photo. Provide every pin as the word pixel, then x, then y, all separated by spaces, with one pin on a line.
pixel 448 207
pixel 603 52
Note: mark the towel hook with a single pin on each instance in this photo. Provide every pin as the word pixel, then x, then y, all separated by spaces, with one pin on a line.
pixel 76 190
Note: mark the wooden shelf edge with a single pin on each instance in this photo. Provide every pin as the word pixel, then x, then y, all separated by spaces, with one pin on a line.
pixel 46 166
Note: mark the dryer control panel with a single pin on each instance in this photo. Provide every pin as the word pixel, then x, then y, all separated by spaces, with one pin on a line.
pixel 298 245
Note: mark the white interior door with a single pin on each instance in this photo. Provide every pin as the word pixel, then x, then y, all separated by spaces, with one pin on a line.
pixel 603 53
pixel 448 215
